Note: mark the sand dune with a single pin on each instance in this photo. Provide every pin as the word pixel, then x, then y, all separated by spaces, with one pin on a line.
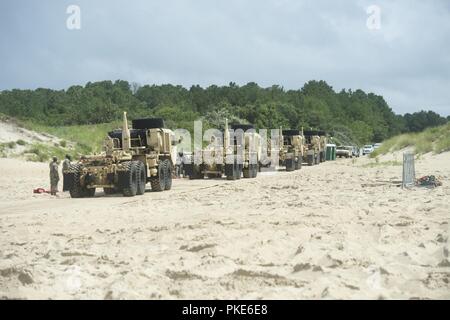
pixel 338 230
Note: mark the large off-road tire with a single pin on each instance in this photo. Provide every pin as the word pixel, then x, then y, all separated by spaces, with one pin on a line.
pixel 310 159
pixel 148 123
pixel 196 173
pixel 247 172
pixel 109 191
pixel 187 169
pixel 89 193
pixel 214 175
pixel 229 171
pixel 158 182
pixel 76 190
pixel 253 170
pixel 238 171
pixel 257 169
pixel 298 163
pixel 290 162
pixel 317 158
pixel 167 174
pixel 233 171
pixel 322 156
pixel 142 178
pixel 129 179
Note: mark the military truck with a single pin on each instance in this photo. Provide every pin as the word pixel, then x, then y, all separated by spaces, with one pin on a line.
pixel 322 145
pixel 314 149
pixel 131 159
pixel 233 158
pixel 291 150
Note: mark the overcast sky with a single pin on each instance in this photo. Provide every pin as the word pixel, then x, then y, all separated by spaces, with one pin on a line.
pixel 284 42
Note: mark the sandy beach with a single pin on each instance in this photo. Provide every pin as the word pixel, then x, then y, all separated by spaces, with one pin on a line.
pixel 341 230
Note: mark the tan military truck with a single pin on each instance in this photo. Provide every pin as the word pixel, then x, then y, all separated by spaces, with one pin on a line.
pixel 322 145
pixel 131 158
pixel 312 141
pixel 292 149
pixel 252 150
pixel 233 158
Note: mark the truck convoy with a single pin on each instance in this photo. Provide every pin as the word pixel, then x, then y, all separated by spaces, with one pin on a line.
pixel 131 159
pixel 239 155
pixel 147 153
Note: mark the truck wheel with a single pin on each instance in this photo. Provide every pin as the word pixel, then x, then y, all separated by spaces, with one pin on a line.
pixel 238 171
pixel 290 162
pixel 248 172
pixel 89 193
pixel 158 182
pixel 187 168
pixel 310 159
pixel 167 175
pixel 251 171
pixel 196 173
pixel 109 190
pixel 231 171
pixel 76 189
pixel 130 179
pixel 298 164
pixel 255 170
pixel 142 178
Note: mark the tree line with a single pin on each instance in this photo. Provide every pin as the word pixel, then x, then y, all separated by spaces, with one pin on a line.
pixel 359 116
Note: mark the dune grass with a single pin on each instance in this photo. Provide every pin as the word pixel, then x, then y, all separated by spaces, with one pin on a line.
pixel 87 138
pixel 436 140
pixel 382 164
pixel 40 152
pixel 73 140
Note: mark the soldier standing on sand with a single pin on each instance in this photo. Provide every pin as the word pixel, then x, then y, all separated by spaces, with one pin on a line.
pixel 54 176
pixel 65 168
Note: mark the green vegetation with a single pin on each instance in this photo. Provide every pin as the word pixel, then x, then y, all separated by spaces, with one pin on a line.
pixel 20 142
pixel 11 144
pixel 436 139
pixel 419 121
pixel 351 116
pixel 7 145
pixel 42 152
pixel 382 164
pixel 87 138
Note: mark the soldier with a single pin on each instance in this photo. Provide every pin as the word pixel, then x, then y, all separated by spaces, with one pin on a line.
pixel 65 168
pixel 179 164
pixel 54 176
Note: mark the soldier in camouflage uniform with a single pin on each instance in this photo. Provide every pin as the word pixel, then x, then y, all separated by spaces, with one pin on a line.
pixel 65 168
pixel 54 176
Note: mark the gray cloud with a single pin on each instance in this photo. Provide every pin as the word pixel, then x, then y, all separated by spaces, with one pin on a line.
pixel 285 42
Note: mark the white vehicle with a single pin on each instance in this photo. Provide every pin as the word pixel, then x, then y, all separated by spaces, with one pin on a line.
pixel 367 149
pixel 344 151
pixel 376 146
